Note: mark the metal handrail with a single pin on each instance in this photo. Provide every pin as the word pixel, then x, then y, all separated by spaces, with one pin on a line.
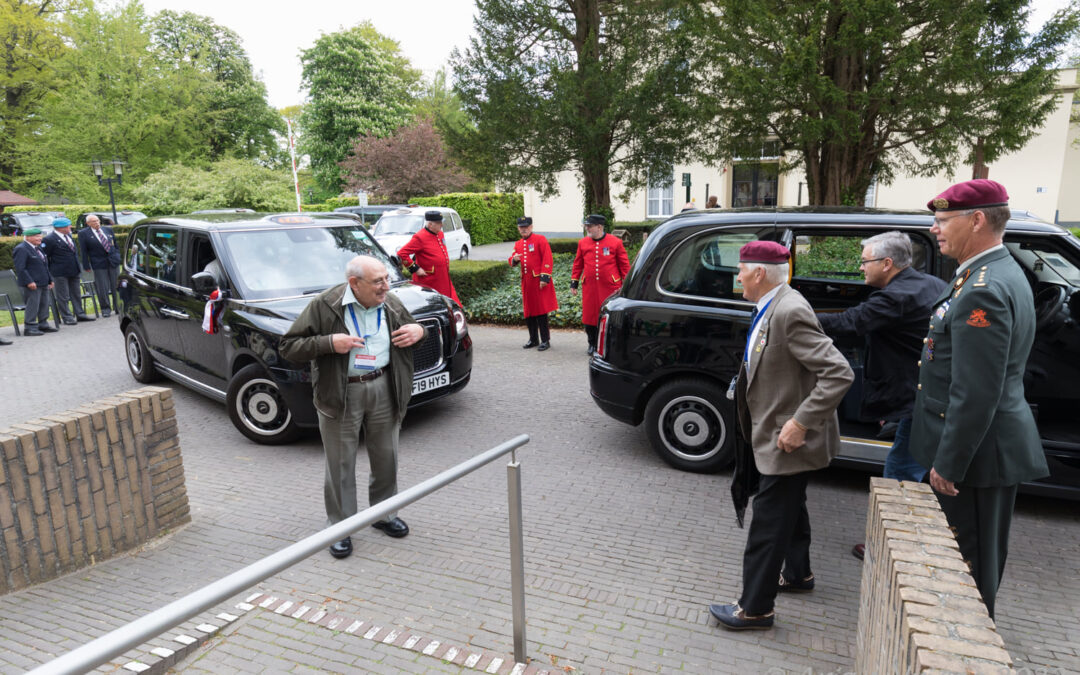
pixel 99 651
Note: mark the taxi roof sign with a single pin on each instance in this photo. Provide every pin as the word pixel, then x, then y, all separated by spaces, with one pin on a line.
pixel 293 220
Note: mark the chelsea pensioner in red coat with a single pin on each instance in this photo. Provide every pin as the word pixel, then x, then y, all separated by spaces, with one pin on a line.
pixel 533 253
pixel 427 258
pixel 599 266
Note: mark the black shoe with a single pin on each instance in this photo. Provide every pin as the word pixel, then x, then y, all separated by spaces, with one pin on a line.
pixel 84 318
pixel 70 322
pixel 887 432
pixel 106 312
pixel 544 346
pixel 788 586
pixel 342 549
pixel 47 329
pixel 733 617
pixel 395 527
pixel 4 342
pixel 530 344
pixel 591 350
pixel 32 332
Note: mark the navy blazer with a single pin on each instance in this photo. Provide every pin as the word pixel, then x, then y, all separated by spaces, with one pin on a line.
pixel 63 261
pixel 93 253
pixel 30 267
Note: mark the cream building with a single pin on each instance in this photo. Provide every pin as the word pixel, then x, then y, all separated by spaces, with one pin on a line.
pixel 1043 177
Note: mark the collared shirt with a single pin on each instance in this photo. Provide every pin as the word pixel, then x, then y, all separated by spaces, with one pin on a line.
pixel 971 261
pixel 375 329
pixel 761 303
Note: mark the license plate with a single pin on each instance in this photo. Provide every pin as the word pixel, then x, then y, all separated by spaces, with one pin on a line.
pixel 429 383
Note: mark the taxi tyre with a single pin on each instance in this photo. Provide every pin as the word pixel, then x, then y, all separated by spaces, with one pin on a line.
pixel 257 408
pixel 690 424
pixel 138 356
pixel 464 255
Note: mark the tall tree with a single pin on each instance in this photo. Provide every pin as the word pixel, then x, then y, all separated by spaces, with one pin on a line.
pixel 855 90
pixel 236 116
pixel 409 163
pixel 436 100
pixel 357 84
pixel 601 87
pixel 30 42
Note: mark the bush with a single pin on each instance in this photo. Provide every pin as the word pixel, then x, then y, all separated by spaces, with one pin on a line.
pixel 1075 230
pixel 473 278
pixel 490 217
pixel 228 183
pixel 502 304
pixel 73 211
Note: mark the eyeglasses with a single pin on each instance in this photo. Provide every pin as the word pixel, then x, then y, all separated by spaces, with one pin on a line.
pixel 382 281
pixel 867 261
pixel 939 221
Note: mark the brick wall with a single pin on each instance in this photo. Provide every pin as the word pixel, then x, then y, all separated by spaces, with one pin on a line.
pixel 84 485
pixel 919 609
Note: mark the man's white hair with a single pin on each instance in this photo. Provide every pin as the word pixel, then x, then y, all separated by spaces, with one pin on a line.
pixel 774 274
pixel 355 267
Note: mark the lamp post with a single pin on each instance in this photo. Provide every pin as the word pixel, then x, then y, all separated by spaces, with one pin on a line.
pixel 118 168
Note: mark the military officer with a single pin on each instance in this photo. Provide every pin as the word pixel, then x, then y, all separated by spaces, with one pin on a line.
pixel 972 425
pixel 427 258
pixel 533 254
pixel 600 264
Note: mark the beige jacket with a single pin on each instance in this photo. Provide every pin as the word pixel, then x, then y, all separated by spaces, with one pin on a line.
pixel 795 371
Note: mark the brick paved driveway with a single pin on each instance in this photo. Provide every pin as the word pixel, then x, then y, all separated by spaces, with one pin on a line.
pixel 623 553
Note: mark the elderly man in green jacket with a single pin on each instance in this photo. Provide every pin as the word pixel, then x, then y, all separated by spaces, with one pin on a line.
pixel 358 337
pixel 971 423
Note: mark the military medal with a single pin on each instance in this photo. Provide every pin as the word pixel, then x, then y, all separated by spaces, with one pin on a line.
pixel 929 349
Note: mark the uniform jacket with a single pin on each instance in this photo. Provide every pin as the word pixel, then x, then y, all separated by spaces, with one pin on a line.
pixel 428 250
pixel 94 255
pixel 536 260
pixel 794 371
pixel 308 339
pixel 30 265
pixel 600 265
pixel 63 260
pixel 893 321
pixel 972 423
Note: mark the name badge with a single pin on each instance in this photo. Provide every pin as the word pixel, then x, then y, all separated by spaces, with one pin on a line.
pixel 364 362
pixel 607 251
pixel 532 247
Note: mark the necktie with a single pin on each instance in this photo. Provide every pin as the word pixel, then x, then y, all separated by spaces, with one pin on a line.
pixel 103 239
pixel 70 243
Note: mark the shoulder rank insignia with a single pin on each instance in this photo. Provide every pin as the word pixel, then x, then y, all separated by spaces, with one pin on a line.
pixel 978 318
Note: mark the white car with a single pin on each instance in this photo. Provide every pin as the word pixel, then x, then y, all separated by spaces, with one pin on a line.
pixel 395 228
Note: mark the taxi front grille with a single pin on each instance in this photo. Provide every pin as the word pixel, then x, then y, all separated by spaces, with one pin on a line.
pixel 428 353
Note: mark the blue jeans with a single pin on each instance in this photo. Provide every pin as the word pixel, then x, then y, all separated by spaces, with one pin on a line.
pixel 899 464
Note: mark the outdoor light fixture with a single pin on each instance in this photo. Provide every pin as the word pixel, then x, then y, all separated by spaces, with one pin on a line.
pixel 118 169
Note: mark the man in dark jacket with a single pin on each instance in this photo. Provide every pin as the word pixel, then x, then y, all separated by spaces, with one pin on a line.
pixel 358 337
pixel 100 253
pixel 35 282
pixel 60 249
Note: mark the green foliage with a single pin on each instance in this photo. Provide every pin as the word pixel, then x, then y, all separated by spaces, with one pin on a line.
pixel 473 278
pixel 357 84
pixel 502 304
pixel 564 245
pixel 338 202
pixel 600 88
pixel 490 217
pixel 829 258
pixel 1075 231
pixel 229 183
pixel 73 211
pixel 853 90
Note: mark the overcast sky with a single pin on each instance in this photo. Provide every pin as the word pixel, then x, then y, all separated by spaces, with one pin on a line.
pixel 274 32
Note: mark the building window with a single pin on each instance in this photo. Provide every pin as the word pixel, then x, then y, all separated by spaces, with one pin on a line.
pixel 661 196
pixel 754 184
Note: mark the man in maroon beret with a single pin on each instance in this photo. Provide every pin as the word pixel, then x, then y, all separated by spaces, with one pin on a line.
pixel 789 384
pixel 972 425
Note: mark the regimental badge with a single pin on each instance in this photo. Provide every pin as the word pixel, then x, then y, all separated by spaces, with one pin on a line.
pixel 941 203
pixel 978 318
pixel 532 247
pixel 929 349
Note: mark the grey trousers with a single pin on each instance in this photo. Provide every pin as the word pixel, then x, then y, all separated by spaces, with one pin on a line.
pixel 37 305
pixel 68 296
pixel 105 280
pixel 369 405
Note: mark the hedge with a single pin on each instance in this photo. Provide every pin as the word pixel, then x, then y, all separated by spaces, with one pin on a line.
pixel 473 278
pixel 490 217
pixel 8 244
pixel 73 211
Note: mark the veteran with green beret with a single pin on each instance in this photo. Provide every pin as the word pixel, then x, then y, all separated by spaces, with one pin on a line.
pixel 35 282
pixel 972 424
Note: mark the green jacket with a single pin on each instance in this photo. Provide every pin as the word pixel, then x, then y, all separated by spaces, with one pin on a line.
pixel 308 339
pixel 971 421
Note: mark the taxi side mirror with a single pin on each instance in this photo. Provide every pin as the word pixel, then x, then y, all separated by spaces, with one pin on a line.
pixel 203 283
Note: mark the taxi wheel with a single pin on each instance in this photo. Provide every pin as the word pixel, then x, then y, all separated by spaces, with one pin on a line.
pixel 691 425
pixel 139 360
pixel 257 408
pixel 464 255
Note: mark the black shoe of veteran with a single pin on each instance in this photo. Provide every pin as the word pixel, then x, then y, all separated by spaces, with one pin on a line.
pixel 733 617
pixel 544 346
pixel 84 317
pixel 342 549
pixel 530 344
pixel 395 527
pixel 47 329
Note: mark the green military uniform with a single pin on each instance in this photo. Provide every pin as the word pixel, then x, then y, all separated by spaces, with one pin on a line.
pixel 971 422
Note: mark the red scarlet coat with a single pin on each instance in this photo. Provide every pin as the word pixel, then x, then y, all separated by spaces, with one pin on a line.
pixel 428 250
pixel 535 262
pixel 600 265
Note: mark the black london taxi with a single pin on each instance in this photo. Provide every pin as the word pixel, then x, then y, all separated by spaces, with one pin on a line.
pixel 267 267
pixel 671 339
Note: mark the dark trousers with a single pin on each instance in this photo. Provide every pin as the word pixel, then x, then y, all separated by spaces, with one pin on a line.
pixel 105 280
pixel 591 332
pixel 982 517
pixel 779 539
pixel 68 296
pixel 538 328
pixel 37 304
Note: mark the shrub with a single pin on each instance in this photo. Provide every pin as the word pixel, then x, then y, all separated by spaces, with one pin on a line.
pixel 502 304
pixel 228 183
pixel 490 217
pixel 473 278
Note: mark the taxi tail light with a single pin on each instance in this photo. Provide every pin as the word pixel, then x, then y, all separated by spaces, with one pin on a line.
pixel 601 337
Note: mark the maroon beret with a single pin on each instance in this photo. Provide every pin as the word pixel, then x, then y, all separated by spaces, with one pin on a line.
pixel 763 252
pixel 971 194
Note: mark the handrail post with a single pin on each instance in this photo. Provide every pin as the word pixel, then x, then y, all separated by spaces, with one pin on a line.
pixel 517 557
